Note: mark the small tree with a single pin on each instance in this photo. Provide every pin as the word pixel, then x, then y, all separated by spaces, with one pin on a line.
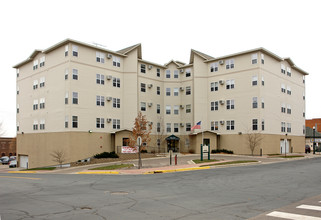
pixel 141 129
pixel 58 156
pixel 254 140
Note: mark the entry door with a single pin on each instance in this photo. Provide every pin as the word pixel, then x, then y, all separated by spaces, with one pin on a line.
pixel 206 142
pixel 24 162
pixel 284 146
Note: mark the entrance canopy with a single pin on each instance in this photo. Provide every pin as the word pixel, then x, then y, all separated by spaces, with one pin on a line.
pixel 172 138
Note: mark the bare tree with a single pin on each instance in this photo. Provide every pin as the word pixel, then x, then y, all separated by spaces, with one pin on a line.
pixel 58 156
pixel 254 140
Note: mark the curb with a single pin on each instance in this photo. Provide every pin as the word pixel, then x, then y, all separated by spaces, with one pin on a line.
pixel 22 171
pixel 177 170
pixel 99 172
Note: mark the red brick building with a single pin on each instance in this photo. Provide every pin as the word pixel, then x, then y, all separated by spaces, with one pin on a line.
pixel 8 147
pixel 312 122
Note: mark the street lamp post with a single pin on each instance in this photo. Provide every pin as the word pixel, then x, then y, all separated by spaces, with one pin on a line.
pixel 313 140
pixel 286 135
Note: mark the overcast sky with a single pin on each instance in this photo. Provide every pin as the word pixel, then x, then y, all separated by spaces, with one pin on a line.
pixel 167 29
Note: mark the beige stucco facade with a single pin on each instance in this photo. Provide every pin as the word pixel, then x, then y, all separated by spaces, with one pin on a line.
pixel 173 96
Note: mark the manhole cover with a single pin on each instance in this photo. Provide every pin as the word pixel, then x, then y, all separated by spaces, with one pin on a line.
pixel 119 193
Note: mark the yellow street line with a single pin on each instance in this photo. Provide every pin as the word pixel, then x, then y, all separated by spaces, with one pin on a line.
pixel 20 177
pixel 22 171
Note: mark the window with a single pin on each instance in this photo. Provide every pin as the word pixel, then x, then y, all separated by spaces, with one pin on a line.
pixel 158 72
pixel 254 80
pixel 230 125
pixel 42 61
pixel 188 90
pixel 158 90
pixel 18 90
pixel 17 72
pixel 303 77
pixel 214 106
pixel 229 64
pixel 116 82
pixel 100 79
pixel 142 68
pixel 75 121
pixel 42 82
pixel 66 98
pixel 283 108
pixel 158 109
pixel 254 102
pixel 75 74
pixel 188 108
pixel 288 128
pixel 262 80
pixel 168 91
pixel 143 106
pixel 214 125
pixel 254 58
pixel 214 86
pixel 282 126
pixel 283 88
pixel 262 103
pixel 42 103
pixel 168 74
pixel 35 64
pixel 302 130
pixel 282 69
pixel 288 90
pixel 230 84
pixel 175 127
pixel 229 104
pixel 168 109
pixel 143 87
pixel 176 74
pixel 75 98
pixel 18 108
pixel 18 127
pixel 66 50
pixel 188 126
pixel 100 57
pixel 303 96
pixel 35 125
pixel 303 113
pixel 66 74
pixel 262 58
pixel 175 91
pixel 214 67
pixel 262 125
pixel 289 110
pixel 168 127
pixel 116 61
pixel 35 104
pixel 176 109
pixel 116 124
pixel 35 84
pixel 42 124
pixel 158 127
pixel 188 72
pixel 288 71
pixel 254 124
pixel 66 121
pixel 116 103
pixel 75 50
pixel 100 123
pixel 100 100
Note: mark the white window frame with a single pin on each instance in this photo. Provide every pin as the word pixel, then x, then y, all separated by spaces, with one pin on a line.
pixel 168 92
pixel 229 64
pixel 100 123
pixel 175 74
pixel 75 98
pixel 254 58
pixel 100 57
pixel 75 74
pixel 176 91
pixel 116 124
pixel 176 109
pixel 254 80
pixel 100 79
pixel 116 103
pixel 168 74
pixel 168 109
pixel 116 61
pixel 75 50
pixel 143 106
pixel 214 67
pixel 100 100
pixel 116 82
pixel 74 121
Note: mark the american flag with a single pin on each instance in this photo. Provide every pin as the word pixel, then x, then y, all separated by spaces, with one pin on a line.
pixel 197 126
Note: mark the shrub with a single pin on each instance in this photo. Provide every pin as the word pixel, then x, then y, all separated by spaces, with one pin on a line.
pixel 222 151
pixel 106 155
pixel 191 151
pixel 143 151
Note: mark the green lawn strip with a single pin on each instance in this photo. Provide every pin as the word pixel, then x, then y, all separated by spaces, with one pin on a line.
pixel 293 156
pixel 204 161
pixel 231 162
pixel 113 167
pixel 41 168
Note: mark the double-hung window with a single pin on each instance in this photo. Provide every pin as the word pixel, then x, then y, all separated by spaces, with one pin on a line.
pixel 214 67
pixel 230 84
pixel 158 90
pixel 188 72
pixel 176 109
pixel 116 103
pixel 188 126
pixel 229 64
pixel 288 71
pixel 35 64
pixel 175 127
pixel 230 125
pixel 75 50
pixel 143 87
pixel 35 104
pixel 214 86
pixel 254 102
pixel 282 126
pixel 288 128
pixel 158 109
pixel 116 61
pixel 142 68
pixel 35 84
pixel 214 106
pixel 168 91
pixel 158 72
pixel 254 124
pixel 100 100
pixel 100 79
pixel 42 82
pixel 75 121
pixel 188 90
pixel 168 74
pixel 229 104
pixel 282 68
pixel 116 82
pixel 42 103
pixel 168 127
pixel 116 124
pixel 254 58
pixel 176 74
pixel 42 61
pixel 143 106
pixel 100 123
pixel 175 91
pixel 75 98
pixel 66 50
pixel 75 74
pixel 100 57
pixel 168 109
pixel 254 80
pixel 188 108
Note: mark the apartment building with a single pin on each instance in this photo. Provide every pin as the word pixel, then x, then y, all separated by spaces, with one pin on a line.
pixel 83 99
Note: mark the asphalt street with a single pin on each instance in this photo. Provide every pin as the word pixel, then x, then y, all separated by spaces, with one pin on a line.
pixel 218 193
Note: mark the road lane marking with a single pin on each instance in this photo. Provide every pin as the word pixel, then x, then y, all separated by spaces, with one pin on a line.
pixel 292 216
pixel 310 207
pixel 20 177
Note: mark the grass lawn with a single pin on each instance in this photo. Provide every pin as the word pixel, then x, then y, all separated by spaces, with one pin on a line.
pixel 113 167
pixel 232 162
pixel 41 168
pixel 204 161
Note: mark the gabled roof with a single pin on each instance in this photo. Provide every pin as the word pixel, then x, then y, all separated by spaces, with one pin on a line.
pixel 203 55
pixel 126 50
pixel 177 63
pixel 152 63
